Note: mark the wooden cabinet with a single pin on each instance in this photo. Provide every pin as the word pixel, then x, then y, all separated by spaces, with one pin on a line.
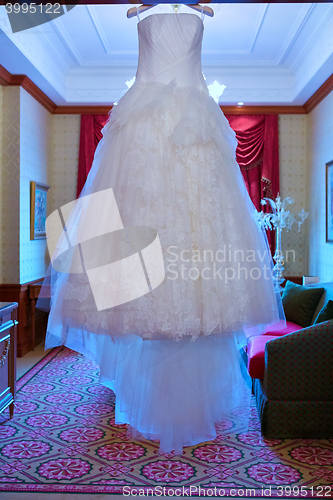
pixel 21 295
pixel 8 313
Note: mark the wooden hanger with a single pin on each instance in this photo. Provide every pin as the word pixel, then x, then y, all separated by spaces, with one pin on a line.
pixel 208 11
pixel 133 11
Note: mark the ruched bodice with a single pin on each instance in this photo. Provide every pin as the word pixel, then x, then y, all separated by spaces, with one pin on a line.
pixel 170 49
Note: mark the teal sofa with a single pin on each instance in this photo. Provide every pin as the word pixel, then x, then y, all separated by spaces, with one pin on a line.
pixel 294 395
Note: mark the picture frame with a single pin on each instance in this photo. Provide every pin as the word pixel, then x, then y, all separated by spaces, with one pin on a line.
pixel 329 202
pixel 38 209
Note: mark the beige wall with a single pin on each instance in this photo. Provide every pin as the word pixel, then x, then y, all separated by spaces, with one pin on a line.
pixel 294 183
pixel 49 147
pixel 10 185
pixel 320 151
pixel 35 131
pixel 34 146
pixel 25 140
pixel 64 158
pixel 306 145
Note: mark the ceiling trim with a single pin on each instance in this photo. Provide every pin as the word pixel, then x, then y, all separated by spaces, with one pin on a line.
pixel 257 27
pixel 318 96
pixel 7 79
pixel 67 41
pixel 300 21
pixel 32 89
pixel 5 76
pixel 98 28
pixel 82 110
pixel 263 110
pixel 316 33
pixel 230 110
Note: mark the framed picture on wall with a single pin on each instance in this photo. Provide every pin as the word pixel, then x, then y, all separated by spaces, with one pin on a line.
pixel 329 202
pixel 38 210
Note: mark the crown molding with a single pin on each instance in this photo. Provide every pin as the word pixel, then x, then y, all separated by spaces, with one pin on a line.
pixel 263 110
pixel 82 110
pixel 35 92
pixel 230 110
pixel 5 76
pixel 6 79
pixel 32 89
pixel 319 95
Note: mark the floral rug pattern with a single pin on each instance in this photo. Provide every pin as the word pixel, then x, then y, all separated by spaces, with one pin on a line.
pixel 63 439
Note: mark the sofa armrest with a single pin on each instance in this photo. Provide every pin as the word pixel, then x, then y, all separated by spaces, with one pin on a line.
pixel 299 366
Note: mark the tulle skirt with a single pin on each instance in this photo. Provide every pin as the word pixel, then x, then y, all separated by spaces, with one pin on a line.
pixel 172 392
pixel 167 163
pixel 167 160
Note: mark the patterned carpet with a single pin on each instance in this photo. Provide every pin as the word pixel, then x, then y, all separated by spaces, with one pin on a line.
pixel 63 439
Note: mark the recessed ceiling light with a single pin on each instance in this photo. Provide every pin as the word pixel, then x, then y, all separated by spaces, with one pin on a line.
pixel 240 104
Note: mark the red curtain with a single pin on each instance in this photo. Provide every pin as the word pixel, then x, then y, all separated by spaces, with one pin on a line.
pixel 257 154
pixel 90 135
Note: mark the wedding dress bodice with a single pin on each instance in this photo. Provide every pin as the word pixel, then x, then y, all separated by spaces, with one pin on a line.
pixel 170 50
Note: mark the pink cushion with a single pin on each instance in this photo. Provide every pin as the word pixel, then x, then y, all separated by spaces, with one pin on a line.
pixel 256 355
pixel 280 328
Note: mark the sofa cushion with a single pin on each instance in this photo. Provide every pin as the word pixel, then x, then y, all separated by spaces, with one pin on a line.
pixel 327 295
pixel 300 303
pixel 256 355
pixel 282 328
pixel 325 314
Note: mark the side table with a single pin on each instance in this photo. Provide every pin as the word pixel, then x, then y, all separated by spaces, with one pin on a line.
pixel 8 315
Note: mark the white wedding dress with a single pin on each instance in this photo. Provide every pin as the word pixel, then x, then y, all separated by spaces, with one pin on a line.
pixel 168 153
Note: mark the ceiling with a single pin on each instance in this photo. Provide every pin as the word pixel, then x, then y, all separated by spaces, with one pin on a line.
pixel 265 54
